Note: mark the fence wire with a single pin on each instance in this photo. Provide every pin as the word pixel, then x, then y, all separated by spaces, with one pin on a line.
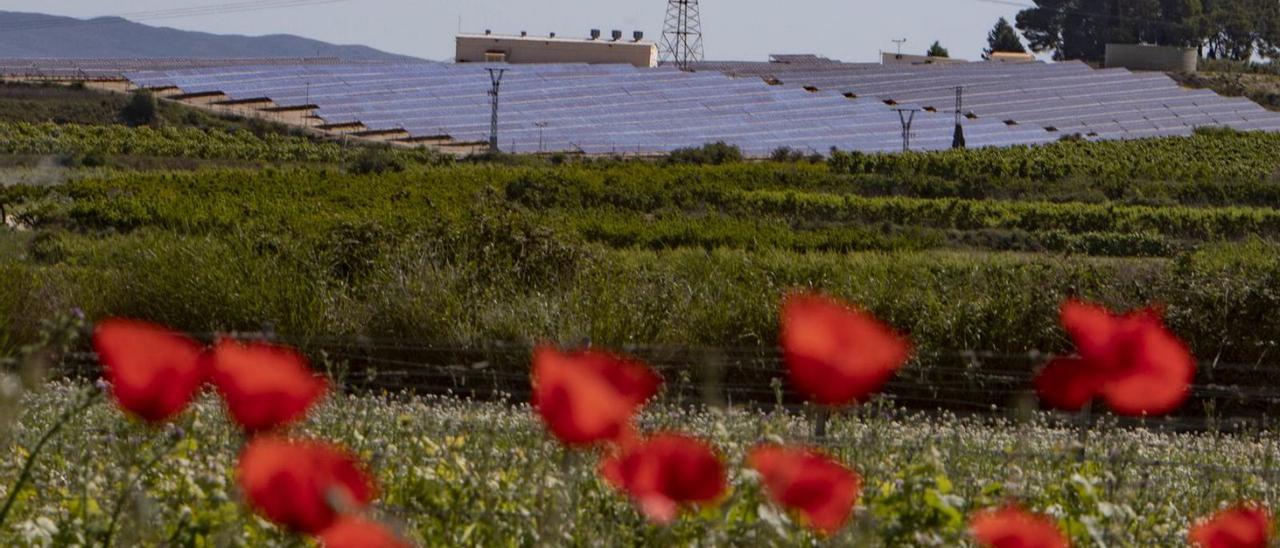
pixel 1230 396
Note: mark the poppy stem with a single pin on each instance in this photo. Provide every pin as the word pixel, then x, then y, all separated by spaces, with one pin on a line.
pixel 128 485
pixel 87 397
pixel 820 419
pixel 1086 423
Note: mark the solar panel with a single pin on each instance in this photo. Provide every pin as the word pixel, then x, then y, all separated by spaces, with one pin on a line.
pixel 819 104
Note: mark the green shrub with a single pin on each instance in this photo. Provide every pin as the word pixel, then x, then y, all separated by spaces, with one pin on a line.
pixel 377 160
pixel 141 110
pixel 717 153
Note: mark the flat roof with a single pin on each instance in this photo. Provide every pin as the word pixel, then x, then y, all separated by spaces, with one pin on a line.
pixel 604 39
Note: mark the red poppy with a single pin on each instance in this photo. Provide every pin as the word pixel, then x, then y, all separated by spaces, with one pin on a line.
pixel 302 485
pixel 354 532
pixel 1245 526
pixel 836 353
pixel 154 372
pixel 265 386
pixel 587 397
pixel 819 488
pixel 1131 361
pixel 1012 527
pixel 664 472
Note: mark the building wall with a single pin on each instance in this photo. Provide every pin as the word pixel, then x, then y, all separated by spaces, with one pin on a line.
pixel 887 58
pixel 1161 58
pixel 472 49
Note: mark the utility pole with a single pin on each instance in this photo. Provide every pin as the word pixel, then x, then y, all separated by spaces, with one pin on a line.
pixel 495 78
pixel 957 141
pixel 541 127
pixel 908 117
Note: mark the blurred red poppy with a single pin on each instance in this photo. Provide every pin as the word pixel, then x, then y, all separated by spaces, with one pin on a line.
pixel 1012 527
pixel 838 354
pixel 664 472
pixel 1131 361
pixel 1244 526
pixel 354 532
pixel 822 490
pixel 302 485
pixel 265 386
pixel 154 372
pixel 587 397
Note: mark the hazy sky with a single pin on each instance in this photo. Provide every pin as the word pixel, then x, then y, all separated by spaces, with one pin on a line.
pixel 851 30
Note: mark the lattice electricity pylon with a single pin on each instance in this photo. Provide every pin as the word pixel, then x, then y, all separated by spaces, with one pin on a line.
pixel 682 34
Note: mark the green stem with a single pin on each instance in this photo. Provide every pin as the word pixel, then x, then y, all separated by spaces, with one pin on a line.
pixel 90 397
pixel 821 417
pixel 128 485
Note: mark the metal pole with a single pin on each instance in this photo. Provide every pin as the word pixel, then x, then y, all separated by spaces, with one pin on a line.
pixel 900 42
pixel 495 78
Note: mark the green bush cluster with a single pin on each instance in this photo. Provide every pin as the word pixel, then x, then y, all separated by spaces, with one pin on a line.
pixel 182 142
pixel 1232 156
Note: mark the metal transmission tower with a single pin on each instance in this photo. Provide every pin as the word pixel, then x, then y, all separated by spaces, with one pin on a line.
pixel 495 78
pixel 682 34
pixel 957 140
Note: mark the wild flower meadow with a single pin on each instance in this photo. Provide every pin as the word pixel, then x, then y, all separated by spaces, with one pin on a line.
pixel 241 442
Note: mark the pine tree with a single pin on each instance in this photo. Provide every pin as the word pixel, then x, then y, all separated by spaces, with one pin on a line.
pixel 936 50
pixel 1004 39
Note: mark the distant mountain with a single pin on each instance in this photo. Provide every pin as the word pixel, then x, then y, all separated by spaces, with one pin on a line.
pixel 39 35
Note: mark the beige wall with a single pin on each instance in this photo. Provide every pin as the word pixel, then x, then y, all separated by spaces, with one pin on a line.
pixel 887 58
pixel 1161 58
pixel 472 49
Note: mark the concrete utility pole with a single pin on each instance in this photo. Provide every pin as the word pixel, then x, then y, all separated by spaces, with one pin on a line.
pixel 957 140
pixel 900 42
pixel 495 78
pixel 908 117
pixel 541 127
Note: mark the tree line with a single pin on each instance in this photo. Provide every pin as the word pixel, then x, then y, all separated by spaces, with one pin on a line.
pixel 1220 29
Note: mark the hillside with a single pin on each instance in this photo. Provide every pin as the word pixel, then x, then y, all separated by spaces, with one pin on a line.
pixel 38 35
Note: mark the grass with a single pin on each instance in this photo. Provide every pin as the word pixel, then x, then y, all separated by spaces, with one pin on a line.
pixel 457 472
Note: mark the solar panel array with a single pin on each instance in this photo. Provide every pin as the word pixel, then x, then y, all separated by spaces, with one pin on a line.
pixel 1062 98
pixel 804 102
pixel 595 109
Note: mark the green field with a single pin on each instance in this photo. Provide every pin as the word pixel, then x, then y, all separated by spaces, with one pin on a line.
pixel 402 269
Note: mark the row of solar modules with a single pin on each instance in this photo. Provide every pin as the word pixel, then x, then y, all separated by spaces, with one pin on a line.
pixel 115 68
pixel 1060 98
pixel 586 108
